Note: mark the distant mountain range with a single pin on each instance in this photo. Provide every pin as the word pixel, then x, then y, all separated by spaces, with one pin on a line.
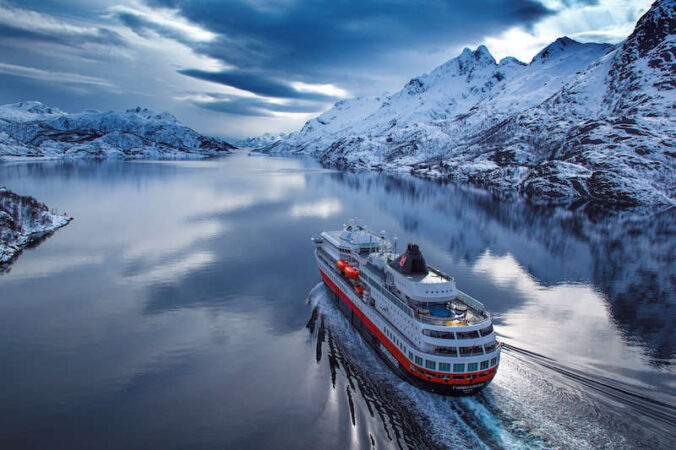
pixel 580 122
pixel 261 141
pixel 34 130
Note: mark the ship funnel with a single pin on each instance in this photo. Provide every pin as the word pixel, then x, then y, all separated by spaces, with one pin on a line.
pixel 411 261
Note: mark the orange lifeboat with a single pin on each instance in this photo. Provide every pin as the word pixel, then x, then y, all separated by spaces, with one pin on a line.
pixel 351 273
pixel 341 265
pixel 359 289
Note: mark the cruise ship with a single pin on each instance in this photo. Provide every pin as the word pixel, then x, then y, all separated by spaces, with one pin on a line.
pixel 428 331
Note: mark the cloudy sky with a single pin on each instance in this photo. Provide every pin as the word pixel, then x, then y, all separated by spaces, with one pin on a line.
pixel 243 67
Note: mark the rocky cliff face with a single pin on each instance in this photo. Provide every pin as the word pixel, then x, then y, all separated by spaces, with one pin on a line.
pixel 35 130
pixel 580 122
pixel 23 222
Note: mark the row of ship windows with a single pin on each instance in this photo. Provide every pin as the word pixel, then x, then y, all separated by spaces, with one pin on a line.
pixel 467 351
pixel 443 367
pixel 398 303
pixel 459 334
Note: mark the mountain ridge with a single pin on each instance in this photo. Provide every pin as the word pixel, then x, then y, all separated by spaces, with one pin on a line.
pixel 32 129
pixel 580 122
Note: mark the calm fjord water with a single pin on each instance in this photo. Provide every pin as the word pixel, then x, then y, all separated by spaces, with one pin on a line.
pixel 181 309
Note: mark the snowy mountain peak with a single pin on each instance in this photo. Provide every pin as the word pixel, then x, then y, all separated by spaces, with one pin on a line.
pixel 29 110
pixel 148 114
pixel 555 49
pixel 469 60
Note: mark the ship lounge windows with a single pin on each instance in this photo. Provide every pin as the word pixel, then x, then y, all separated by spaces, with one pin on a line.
pixel 430 364
pixel 486 331
pixel 471 351
pixel 484 365
pixel 439 334
pixel 467 334
pixel 458 368
pixel 444 367
pixel 418 360
pixel 446 351
pixel 494 361
pixel 490 346
pixel 472 367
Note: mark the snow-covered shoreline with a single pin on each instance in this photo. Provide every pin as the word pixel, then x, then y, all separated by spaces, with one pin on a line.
pixel 24 221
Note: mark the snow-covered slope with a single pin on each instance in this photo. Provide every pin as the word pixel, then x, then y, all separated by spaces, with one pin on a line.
pixel 580 121
pixel 33 129
pixel 24 221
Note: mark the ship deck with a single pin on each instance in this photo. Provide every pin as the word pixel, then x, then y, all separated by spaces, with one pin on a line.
pixel 440 316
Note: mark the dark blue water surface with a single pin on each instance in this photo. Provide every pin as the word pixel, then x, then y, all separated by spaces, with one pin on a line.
pixel 181 309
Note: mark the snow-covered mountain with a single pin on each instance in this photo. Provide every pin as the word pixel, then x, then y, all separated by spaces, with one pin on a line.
pixel 23 222
pixel 33 129
pixel 261 141
pixel 580 121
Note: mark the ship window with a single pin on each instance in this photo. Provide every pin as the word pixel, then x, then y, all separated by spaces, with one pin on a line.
pixel 486 331
pixel 447 350
pixel 472 367
pixel 410 356
pixel 418 360
pixel 493 361
pixel 458 367
pixel 439 334
pixel 469 351
pixel 467 334
pixel 484 364
pixel 430 364
pixel 458 377
pixel 490 346
pixel 444 367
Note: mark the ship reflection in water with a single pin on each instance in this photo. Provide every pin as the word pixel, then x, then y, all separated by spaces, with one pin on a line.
pixel 170 312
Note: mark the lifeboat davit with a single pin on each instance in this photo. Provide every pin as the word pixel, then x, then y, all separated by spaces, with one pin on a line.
pixel 351 273
pixel 359 289
pixel 341 265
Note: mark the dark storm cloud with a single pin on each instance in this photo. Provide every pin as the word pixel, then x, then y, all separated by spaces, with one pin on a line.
pixel 245 106
pixel 315 41
pixel 255 83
